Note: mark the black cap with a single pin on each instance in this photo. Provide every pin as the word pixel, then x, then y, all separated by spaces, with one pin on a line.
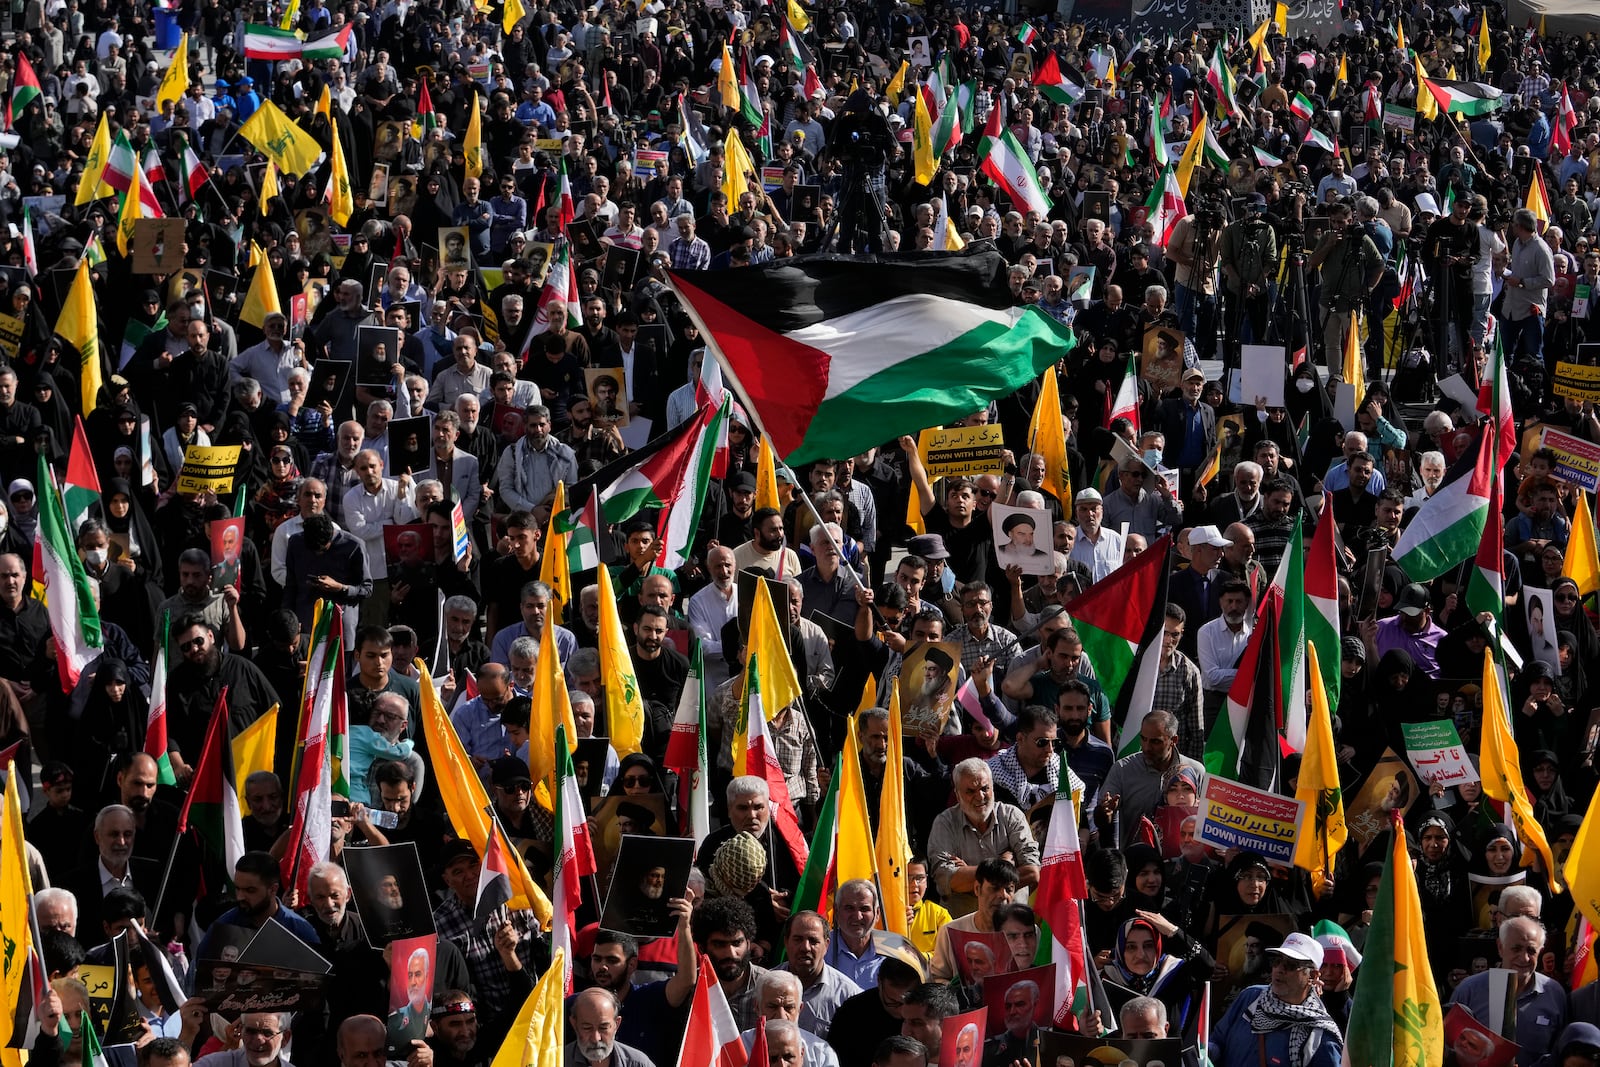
pixel 508 770
pixel 455 849
pixel 743 482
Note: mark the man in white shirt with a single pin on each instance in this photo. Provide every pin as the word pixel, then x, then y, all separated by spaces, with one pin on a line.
pixel 1097 548
pixel 270 361
pixel 370 505
pixel 1221 642
pixel 312 499
pixel 712 608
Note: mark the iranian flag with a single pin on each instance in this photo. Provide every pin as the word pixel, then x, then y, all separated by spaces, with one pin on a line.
pixel 1111 616
pixel 1026 34
pixel 680 518
pixel 270 42
pixel 761 758
pixel 569 210
pixel 800 57
pixel 687 752
pixel 428 119
pixel 194 172
pixel 711 1036
pixel 1486 582
pixel 574 857
pixel 1004 161
pixel 328 44
pixel 121 165
pixel 560 286
pixel 1449 525
pixel 749 95
pixel 1123 402
pixel 1054 83
pixel 1301 107
pixel 1464 98
pixel 1165 207
pixel 1220 77
pixel 81 490
pixel 74 620
pixel 30 248
pixel 1267 159
pixel 155 723
pixel 1322 598
pixel 955 120
pixel 1245 744
pixel 1135 701
pixel 212 806
pixel 319 763
pixel 822 351
pixel 819 880
pixel 1062 886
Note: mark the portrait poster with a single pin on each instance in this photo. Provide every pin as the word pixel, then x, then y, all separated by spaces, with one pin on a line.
pixel 1060 1049
pixel 227 541
pixel 1161 357
pixel 377 351
pixel 589 768
pixel 411 447
pixel 622 267
pixel 330 382
pixel 1022 538
pixel 1243 941
pixel 389 892
pixel 979 954
pixel 620 815
pixel 1020 999
pixel 1389 787
pixel 585 237
pixel 608 393
pixel 961 1039
pixel 1538 606
pixel 1177 827
pixel 1080 284
pixel 648 873
pixel 386 141
pixel 411 965
pixel 928 685
pixel 508 420
pixel 455 247
pixel 537 255
pixel 378 185
pixel 1474 1044
pixel 408 546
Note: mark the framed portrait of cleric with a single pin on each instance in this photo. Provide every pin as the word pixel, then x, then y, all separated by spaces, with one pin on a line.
pixel 390 894
pixel 979 954
pixel 928 686
pixel 1020 999
pixel 1022 538
pixel 402 194
pixel 1389 787
pixel 961 1039
pixel 412 961
pixel 622 267
pixel 608 393
pixel 619 815
pixel 1242 943
pixel 411 447
pixel 377 351
pixel 1097 205
pixel 585 237
pixel 378 185
pixel 455 248
pixel 330 382
pixel 589 758
pixel 1057 1048
pixel 537 255
pixel 386 141
pixel 649 872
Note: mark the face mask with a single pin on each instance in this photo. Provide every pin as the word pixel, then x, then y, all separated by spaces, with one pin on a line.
pixel 1303 385
pixel 96 557
pixel 1152 457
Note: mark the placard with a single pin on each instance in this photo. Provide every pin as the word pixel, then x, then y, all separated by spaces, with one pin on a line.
pixel 649 872
pixel 978 954
pixel 1474 1044
pixel 1577 460
pixel 1020 1000
pixel 1261 374
pixel 157 245
pixel 1389 788
pixel 208 468
pixel 771 179
pixel 961 1039
pixel 928 685
pixel 458 532
pixel 1577 381
pixel 1235 815
pixel 1059 1049
pixel 390 892
pixel 1161 357
pixel 1436 751
pixel 412 962
pixel 10 335
pixel 1400 117
pixel 1020 538
pixel 962 452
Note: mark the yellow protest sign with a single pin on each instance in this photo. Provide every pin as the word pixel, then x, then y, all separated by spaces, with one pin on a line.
pixel 208 467
pixel 965 451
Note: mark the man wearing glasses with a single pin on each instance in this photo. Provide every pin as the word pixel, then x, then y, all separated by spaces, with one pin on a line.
pixel 509 214
pixel 260 1041
pixel 271 361
pixel 1266 1020
pixel 1028 771
pixel 196 680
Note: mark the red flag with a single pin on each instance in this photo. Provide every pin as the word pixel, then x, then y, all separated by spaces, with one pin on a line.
pixel 711 1038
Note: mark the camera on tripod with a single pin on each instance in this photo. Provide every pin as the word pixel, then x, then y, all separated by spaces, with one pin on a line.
pixel 1208 212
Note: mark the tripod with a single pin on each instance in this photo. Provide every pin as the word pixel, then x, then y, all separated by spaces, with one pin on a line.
pixel 859 191
pixel 1289 322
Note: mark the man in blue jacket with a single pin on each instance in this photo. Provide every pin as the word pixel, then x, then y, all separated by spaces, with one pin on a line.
pixel 1282 1023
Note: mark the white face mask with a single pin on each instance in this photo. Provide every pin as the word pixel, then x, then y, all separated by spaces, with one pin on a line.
pixel 96 557
pixel 1303 385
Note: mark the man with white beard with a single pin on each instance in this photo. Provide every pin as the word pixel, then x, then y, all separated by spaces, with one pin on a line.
pixel 711 609
pixel 594 1017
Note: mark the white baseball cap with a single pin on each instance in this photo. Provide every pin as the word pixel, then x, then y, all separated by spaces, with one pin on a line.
pixel 1208 535
pixel 1298 946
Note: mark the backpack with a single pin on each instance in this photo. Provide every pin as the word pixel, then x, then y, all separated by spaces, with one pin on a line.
pixel 1252 257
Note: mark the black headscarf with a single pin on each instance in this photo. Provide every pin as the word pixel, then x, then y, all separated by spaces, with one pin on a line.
pixel 135 526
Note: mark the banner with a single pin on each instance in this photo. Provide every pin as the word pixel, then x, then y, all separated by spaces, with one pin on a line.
pixel 1577 461
pixel 1577 381
pixel 208 467
pixel 1234 815
pixel 1437 754
pixel 1400 117
pixel 966 451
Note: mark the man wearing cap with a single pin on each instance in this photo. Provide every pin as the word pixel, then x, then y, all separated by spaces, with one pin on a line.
pixel 1541 1001
pixel 1097 548
pixel 499 952
pixel 1249 261
pixel 1284 1021
pixel 1188 425
pixel 1411 630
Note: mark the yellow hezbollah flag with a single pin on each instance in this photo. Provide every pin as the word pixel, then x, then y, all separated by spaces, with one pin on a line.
pixel 341 202
pixel 779 686
pixel 277 137
pixel 1498 764
pixel 1280 17
pixel 1323 833
pixel 465 800
pixel 853 854
pixel 514 13
pixel 1582 561
pixel 16 890
pixel 1538 200
pixel 1191 156
pixel 897 84
pixel 1400 34
pixel 1259 37
pixel 79 325
pixel 554 570
pixel 132 212
pixel 799 21
pixel 325 105
pixel 252 751
pixel 1483 42
pixel 261 299
pixel 767 477
pixel 737 168
pixel 624 704
pixel 472 148
pixel 893 845
pixel 1427 107
pixel 535 1038
pixel 1047 437
pixel 269 185
pixel 1344 70
pixel 1352 371
pixel 90 185
pixel 1582 871
pixel 551 704
pixel 175 82
pixel 728 84
pixel 922 141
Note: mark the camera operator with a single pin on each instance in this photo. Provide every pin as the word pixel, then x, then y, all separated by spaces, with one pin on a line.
pixel 1193 249
pixel 1529 275
pixel 1351 268
pixel 1249 258
pixel 1452 249
pixel 1491 251
pixel 863 141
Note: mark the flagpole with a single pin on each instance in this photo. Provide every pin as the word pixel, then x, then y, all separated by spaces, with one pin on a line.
pixel 166 876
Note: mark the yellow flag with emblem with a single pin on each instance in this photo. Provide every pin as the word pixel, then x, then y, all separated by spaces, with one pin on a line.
pixel 893 845
pixel 1323 833
pixel 767 477
pixel 551 705
pixel 269 187
pixel 554 569
pixel 1353 371
pixel 737 168
pixel 341 201
pixel 897 84
pixel 536 1038
pixel 175 82
pixel 727 83
pixel 799 21
pixel 277 137
pixel 253 749
pixel 261 299
pixel 1047 438
pixel 325 105
pixel 91 186
pixel 16 890
pixel 1427 106
pixel 1191 156
pixel 854 855
pixel 472 147
pixel 79 325
pixel 1582 871
pixel 1500 766
pixel 1484 51
pixel 624 703
pixel 514 13
pixel 922 140
pixel 132 212
pixel 1280 17
pixel 465 799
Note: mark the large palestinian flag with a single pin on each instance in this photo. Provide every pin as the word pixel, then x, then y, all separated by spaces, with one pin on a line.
pixel 1464 98
pixel 1450 523
pixel 838 354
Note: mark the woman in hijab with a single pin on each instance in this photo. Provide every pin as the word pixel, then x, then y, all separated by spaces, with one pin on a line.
pixel 109 713
pixel 1154 958
pixel 1550 801
pixel 275 502
pixel 1460 652
pixel 1393 696
pixel 1493 867
pixel 1539 713
pixel 1567 608
pixel 1303 398
pixel 46 397
pixel 1146 882
pixel 251 470
pixel 1442 878
pixel 1245 888
pixel 1573 685
pixel 129 528
pixel 1323 448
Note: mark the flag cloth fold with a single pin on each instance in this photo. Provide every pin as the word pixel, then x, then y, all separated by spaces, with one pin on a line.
pixel 624 703
pixel 1113 618
pixel 175 82
pixel 1464 98
pixel 1047 439
pixel 155 723
pixel 821 349
pixel 574 857
pixel 321 725
pixel 276 136
pixel 711 1036
pixel 893 844
pixel 69 599
pixel 213 801
pixel 253 749
pixel 494 878
pixel 79 325
pixel 1581 562
pixel 537 1035
pixel 1500 766
pixel 261 299
pixel 854 854
pixel 1582 870
pixel 1322 833
pixel 552 708
pixel 1245 745
pixel 1449 525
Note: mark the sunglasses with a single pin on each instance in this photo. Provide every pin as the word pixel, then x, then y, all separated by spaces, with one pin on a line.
pixel 987 494
pixel 192 645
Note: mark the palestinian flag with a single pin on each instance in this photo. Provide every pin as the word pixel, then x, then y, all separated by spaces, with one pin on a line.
pixel 1026 35
pixel 328 44
pixel 319 747
pixel 1265 158
pixel 1301 107
pixel 1054 84
pixel 74 620
pixel 212 805
pixel 681 520
pixel 1212 150
pixel 1245 745
pixel 270 43
pixel 1007 165
pixel 428 119
pixel 494 876
pixel 1113 617
pixel 795 48
pixel 1136 701
pixel 1448 527
pixel 581 528
pixel 1157 141
pixel 1464 98
pixel 750 105
pixel 1486 583
pixel 574 857
pixel 1322 601
pixel 1320 140
pixel 81 489
pixel 822 347
pixel 694 143
pixel 1220 77
pixel 1165 208
pixel 656 475
pixel 155 723
pixel 24 90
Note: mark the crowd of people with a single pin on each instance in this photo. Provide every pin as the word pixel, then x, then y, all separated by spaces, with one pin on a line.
pixel 523 182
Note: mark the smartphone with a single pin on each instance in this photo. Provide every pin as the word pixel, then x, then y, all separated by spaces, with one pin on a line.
pixel 339 809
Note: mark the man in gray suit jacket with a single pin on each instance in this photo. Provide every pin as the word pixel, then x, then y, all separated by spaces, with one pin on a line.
pixel 1583 1006
pixel 458 470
